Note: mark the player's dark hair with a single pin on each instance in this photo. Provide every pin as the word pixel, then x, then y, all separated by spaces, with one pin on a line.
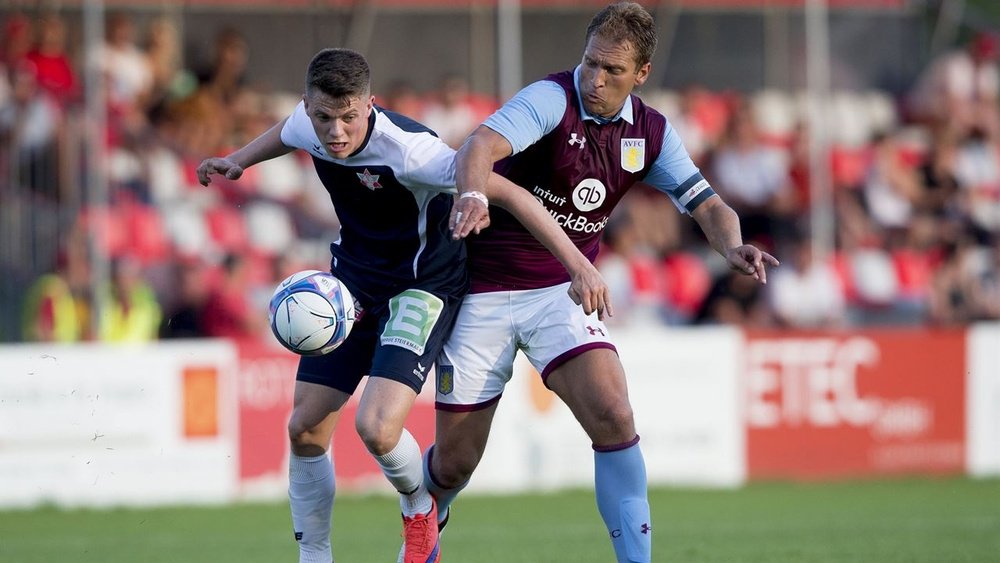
pixel 339 73
pixel 626 21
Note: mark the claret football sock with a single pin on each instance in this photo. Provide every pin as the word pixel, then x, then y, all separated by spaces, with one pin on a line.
pixel 311 489
pixel 620 485
pixel 402 467
pixel 443 496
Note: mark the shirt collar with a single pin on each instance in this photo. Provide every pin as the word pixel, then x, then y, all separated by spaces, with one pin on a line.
pixel 625 113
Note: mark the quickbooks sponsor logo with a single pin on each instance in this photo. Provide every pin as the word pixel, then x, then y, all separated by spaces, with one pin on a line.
pixel 578 223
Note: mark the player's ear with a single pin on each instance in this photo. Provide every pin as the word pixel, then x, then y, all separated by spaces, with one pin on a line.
pixel 371 103
pixel 642 74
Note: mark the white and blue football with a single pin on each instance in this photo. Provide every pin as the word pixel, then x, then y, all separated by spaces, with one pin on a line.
pixel 311 312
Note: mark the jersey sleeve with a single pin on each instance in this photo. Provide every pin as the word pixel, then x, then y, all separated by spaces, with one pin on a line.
pixel 429 164
pixel 298 131
pixel 674 173
pixel 530 115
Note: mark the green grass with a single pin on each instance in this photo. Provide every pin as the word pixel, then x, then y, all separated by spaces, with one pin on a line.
pixel 940 520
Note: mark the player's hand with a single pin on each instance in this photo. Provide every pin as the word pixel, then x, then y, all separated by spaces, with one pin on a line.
pixel 217 165
pixel 589 290
pixel 468 215
pixel 750 260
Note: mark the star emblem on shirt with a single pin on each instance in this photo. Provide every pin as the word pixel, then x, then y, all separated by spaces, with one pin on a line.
pixel 369 180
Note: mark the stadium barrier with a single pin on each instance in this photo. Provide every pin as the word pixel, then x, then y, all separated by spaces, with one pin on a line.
pixel 204 421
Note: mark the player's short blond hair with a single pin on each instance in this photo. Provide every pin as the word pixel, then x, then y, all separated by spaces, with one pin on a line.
pixel 626 21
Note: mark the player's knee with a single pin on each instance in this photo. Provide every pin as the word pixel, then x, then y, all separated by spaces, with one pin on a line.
pixel 452 469
pixel 615 421
pixel 377 435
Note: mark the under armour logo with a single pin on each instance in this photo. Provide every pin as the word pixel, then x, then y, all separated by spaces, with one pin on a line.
pixel 646 528
pixel 595 330
pixel 574 140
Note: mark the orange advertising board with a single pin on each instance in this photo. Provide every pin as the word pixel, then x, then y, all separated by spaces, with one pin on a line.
pixel 858 404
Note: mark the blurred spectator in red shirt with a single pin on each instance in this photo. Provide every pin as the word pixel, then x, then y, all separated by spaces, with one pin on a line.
pixel 228 312
pixel 55 71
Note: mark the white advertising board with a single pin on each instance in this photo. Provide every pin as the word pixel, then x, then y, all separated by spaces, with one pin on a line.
pixel 97 425
pixel 983 401
pixel 684 390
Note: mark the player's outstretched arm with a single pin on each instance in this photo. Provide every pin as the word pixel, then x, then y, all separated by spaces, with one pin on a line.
pixel 264 147
pixel 473 165
pixel 587 287
pixel 721 226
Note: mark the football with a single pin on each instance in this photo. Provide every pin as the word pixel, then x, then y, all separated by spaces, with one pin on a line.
pixel 311 312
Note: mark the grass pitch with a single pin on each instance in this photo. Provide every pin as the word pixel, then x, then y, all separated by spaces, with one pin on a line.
pixel 940 520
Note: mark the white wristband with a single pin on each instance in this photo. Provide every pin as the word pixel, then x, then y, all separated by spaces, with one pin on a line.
pixel 478 195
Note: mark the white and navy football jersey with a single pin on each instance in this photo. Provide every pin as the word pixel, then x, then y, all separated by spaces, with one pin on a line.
pixel 393 197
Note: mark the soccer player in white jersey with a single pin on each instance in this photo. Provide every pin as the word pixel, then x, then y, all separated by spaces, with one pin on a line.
pixel 391 181
pixel 578 140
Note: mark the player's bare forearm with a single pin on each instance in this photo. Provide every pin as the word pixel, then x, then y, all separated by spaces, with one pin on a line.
pixel 721 226
pixel 265 147
pixel 473 165
pixel 587 288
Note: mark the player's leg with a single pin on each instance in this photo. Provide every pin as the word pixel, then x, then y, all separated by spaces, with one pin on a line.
pixel 311 484
pixel 593 386
pixel 472 371
pixel 413 328
pixel 459 442
pixel 381 414
pixel 322 388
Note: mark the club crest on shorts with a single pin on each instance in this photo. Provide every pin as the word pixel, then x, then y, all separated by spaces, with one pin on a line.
pixel 445 379
pixel 633 154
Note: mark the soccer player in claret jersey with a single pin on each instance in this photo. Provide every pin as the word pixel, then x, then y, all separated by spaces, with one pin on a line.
pixel 392 183
pixel 578 140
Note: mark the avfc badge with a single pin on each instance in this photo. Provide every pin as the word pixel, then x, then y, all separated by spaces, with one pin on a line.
pixel 633 154
pixel 446 379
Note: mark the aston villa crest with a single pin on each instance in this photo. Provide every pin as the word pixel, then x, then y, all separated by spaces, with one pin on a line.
pixel 445 379
pixel 633 154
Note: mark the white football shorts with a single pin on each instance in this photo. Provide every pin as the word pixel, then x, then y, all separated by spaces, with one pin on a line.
pixel 478 358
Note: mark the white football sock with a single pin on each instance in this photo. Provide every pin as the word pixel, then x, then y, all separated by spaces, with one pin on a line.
pixel 311 488
pixel 403 467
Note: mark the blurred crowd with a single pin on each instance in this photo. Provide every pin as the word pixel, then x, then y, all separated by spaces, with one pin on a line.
pixel 915 190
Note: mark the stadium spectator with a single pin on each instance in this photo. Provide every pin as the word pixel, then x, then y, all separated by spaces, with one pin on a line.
pixel 405 269
pixel 170 80
pixel 555 137
pixel 959 89
pixel 806 293
pixel 227 312
pixel 187 309
pixel 891 187
pixel 755 179
pixel 734 299
pixel 29 126
pixel 958 293
pixel 130 312
pixel 53 66
pixel 449 113
pixel 402 97
pixel 125 67
pixel 977 169
pixel 56 307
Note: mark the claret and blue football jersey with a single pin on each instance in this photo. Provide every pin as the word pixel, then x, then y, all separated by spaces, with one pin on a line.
pixel 579 167
pixel 393 197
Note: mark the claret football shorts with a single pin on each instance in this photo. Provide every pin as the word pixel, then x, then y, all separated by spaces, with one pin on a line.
pixel 478 358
